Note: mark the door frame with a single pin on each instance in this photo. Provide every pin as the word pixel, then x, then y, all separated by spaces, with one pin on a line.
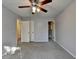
pixel 18 33
pixel 28 31
pixel 53 20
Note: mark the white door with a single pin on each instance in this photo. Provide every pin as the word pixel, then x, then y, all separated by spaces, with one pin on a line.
pixel 25 31
pixel 32 30
pixel 41 30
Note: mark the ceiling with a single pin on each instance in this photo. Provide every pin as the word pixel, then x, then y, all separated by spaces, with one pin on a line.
pixel 54 8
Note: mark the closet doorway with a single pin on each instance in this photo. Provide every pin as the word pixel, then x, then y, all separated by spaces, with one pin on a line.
pixel 27 31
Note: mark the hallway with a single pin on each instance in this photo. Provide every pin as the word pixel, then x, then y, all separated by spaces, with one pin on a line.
pixel 49 50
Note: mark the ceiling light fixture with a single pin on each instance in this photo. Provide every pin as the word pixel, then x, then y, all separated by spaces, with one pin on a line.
pixel 36 5
pixel 33 9
pixel 38 10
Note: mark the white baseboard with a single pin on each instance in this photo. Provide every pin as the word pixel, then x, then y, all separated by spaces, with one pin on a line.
pixel 40 41
pixel 66 50
pixel 54 40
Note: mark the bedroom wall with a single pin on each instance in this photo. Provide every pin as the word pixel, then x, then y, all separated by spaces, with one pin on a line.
pixel 40 27
pixel 8 26
pixel 66 29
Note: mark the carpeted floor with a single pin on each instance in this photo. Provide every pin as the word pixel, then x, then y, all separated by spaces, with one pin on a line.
pixel 49 50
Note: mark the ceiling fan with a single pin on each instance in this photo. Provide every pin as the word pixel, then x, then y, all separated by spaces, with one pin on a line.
pixel 36 5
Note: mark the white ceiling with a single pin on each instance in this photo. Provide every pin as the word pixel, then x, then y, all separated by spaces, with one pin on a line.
pixel 53 8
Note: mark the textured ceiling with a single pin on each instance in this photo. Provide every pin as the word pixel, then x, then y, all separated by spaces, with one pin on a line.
pixel 54 8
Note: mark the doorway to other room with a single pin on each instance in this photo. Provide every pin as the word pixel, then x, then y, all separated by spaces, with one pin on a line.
pixel 51 30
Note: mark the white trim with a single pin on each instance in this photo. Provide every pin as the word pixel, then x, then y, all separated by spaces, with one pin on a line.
pixel 40 41
pixel 66 50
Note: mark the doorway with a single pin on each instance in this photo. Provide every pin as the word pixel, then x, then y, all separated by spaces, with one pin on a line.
pixel 27 31
pixel 51 30
pixel 24 31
